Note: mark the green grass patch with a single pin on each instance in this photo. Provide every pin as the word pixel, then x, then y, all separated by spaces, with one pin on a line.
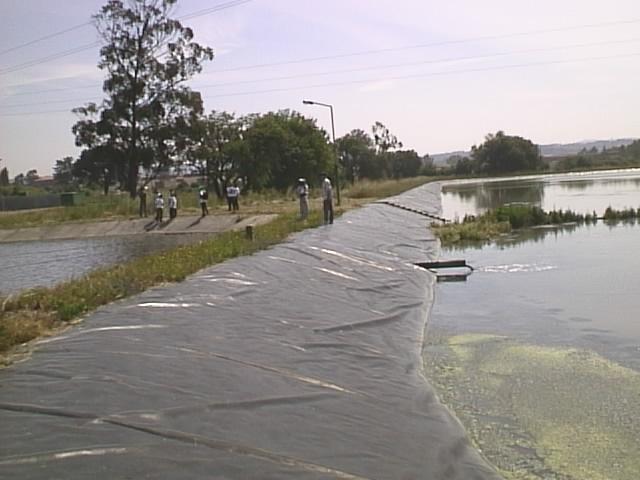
pixel 503 220
pixel 383 188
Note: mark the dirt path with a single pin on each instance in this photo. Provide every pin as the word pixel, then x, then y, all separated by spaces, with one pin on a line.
pixel 144 226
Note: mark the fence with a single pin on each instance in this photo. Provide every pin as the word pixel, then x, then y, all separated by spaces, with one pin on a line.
pixel 28 203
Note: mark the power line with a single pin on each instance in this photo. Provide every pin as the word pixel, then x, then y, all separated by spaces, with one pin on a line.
pixel 431 74
pixel 421 62
pixel 402 77
pixel 55 56
pixel 331 57
pixel 429 45
pixel 217 8
pixel 48 58
pixel 50 102
pixel 363 69
pixel 46 37
pixel 50 90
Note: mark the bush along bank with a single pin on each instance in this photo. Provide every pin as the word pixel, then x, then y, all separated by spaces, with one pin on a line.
pixel 39 312
pixel 503 220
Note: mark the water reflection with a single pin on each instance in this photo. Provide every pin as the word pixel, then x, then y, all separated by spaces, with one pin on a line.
pixel 519 237
pixel 581 192
pixel 487 196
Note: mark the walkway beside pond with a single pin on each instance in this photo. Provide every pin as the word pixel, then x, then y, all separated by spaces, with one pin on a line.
pixel 143 226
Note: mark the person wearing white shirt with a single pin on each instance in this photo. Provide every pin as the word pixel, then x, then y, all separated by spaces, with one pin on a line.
pixel 173 205
pixel 233 192
pixel 159 204
pixel 327 199
pixel 303 193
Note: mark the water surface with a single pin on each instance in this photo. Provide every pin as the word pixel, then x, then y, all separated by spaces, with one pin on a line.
pixel 583 192
pixel 26 265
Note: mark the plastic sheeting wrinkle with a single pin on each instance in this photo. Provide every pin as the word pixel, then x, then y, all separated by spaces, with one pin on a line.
pixel 356 260
pixel 64 455
pixel 239 449
pixel 178 436
pixel 284 373
pixel 364 324
pixel 249 404
pixel 337 274
pixel 168 305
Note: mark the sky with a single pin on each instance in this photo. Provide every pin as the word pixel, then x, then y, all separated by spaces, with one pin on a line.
pixel 440 74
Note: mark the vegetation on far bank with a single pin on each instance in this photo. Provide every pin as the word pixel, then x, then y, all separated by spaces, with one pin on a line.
pixel 40 311
pixel 503 220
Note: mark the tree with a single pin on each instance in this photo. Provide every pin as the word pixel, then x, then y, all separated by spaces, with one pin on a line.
pixel 97 166
pixel 428 166
pixel 404 163
pixel 63 171
pixel 384 139
pixel 215 148
pixel 148 57
pixel 503 153
pixel 19 179
pixel 281 147
pixel 31 176
pixel 4 176
pixel 358 156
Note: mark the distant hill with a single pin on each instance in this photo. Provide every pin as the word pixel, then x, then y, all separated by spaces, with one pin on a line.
pixel 552 150
pixel 558 149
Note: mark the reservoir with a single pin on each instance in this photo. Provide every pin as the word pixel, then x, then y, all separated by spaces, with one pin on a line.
pixel 538 351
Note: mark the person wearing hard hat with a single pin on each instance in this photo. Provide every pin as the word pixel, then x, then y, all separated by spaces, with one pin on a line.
pixel 303 193
pixel 142 194
pixel 203 196
pixel 159 203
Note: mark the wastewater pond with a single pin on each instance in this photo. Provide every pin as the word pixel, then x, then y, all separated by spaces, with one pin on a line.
pixel 538 350
pixel 25 265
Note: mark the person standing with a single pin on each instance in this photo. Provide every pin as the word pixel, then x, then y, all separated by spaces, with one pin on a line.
pixel 236 196
pixel 173 205
pixel 231 193
pixel 159 203
pixel 203 195
pixel 327 199
pixel 142 194
pixel 303 193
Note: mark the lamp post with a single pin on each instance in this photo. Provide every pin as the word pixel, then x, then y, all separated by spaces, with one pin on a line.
pixel 335 147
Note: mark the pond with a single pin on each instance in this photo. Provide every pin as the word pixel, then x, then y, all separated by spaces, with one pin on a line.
pixel 538 351
pixel 26 265
pixel 583 192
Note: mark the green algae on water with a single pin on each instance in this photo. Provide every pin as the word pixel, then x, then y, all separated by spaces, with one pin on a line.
pixel 540 412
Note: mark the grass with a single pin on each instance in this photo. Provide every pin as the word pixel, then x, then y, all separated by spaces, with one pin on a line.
pixel 381 189
pixel 41 311
pixel 503 220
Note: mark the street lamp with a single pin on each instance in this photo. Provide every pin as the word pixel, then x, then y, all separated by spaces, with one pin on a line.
pixel 335 147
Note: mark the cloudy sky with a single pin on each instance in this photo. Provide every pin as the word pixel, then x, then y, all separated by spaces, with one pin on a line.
pixel 440 75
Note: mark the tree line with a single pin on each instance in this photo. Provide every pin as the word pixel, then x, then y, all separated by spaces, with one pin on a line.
pixel 150 121
pixel 500 153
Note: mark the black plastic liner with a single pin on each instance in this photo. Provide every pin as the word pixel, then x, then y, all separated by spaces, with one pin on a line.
pixel 300 362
